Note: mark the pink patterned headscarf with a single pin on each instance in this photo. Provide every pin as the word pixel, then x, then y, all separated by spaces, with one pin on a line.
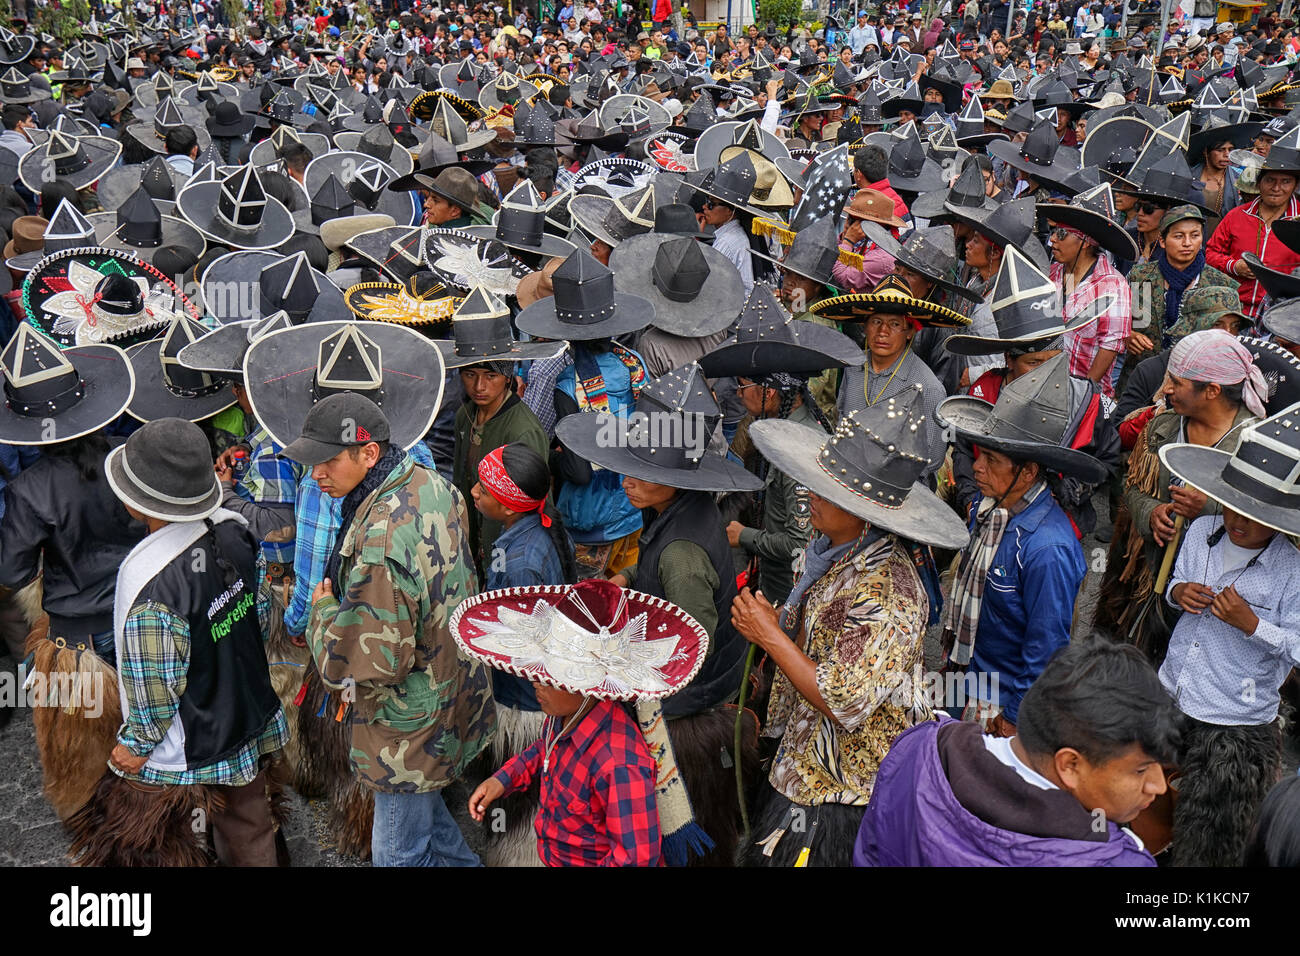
pixel 1214 355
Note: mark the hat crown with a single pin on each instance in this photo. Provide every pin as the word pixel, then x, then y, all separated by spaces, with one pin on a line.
pixel 814 252
pixel 1024 301
pixel 368 183
pixel 763 318
pixel 1038 406
pixel 879 452
pixel 289 284
pixel 908 158
pixel 377 142
pixel 178 379
pixel 932 251
pixel 39 379
pixel 1013 220
pixel 675 415
pixel 680 269
pixel 969 190
pixel 67 229
pixel 331 201
pixel 169 459
pixel 1266 464
pixel 138 220
pixel 481 325
pixel 583 289
pixel 349 360
pixel 241 201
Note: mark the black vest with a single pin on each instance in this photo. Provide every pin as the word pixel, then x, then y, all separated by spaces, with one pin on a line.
pixel 694 517
pixel 228 698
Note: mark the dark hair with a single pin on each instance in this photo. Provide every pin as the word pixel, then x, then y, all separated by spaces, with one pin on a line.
pixel 1275 840
pixel 180 141
pixel 1232 394
pixel 872 162
pixel 530 472
pixel 354 451
pixel 14 114
pixel 87 453
pixel 1099 698
pixel 54 193
pixel 296 156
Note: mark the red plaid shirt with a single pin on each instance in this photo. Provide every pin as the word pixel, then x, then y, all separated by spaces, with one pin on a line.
pixel 598 797
pixel 1113 326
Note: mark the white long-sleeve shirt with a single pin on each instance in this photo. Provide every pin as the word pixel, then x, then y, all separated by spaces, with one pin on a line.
pixel 731 241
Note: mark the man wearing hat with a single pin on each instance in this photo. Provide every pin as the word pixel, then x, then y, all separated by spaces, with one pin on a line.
pixel 1235 579
pixel 449 198
pixel 400 566
pixel 197 703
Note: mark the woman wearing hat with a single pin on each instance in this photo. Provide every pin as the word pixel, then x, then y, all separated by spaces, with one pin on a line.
pixel 1012 602
pixel 1247 231
pixel 1211 391
pixel 867 205
pixel 662 450
pixel 849 636
pixel 1236 580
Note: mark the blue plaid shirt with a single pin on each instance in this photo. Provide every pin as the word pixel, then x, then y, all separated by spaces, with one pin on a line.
pixel 269 480
pixel 318 527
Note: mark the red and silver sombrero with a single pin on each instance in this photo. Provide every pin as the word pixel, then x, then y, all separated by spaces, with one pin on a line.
pixel 591 638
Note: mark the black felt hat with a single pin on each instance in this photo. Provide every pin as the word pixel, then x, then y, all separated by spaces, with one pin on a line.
pixel 166 389
pixel 696 290
pixel 584 305
pixel 481 334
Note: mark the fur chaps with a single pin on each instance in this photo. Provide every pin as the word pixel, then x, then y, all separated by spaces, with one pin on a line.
pixel 127 823
pixel 515 842
pixel 830 830
pixel 1226 773
pixel 76 712
pixel 703 746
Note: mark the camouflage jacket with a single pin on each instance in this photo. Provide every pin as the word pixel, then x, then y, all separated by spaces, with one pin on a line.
pixel 420 712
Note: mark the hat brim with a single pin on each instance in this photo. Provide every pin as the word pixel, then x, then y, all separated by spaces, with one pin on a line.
pixel 1109 235
pixel 457 258
pixel 119 183
pixel 31 169
pixel 1057 174
pixel 175 233
pixel 399 157
pixel 197 202
pixel 930 177
pixel 401 206
pixel 632 313
pixel 713 309
pixel 109 383
pixel 992 345
pixel 280 376
pixel 967 416
pixel 816 348
pixel 310 452
pixel 1202 468
pixel 153 400
pixel 221 351
pixel 129 492
pixel 712 141
pixel 933 207
pixel 363 301
pixel 492 628
pixel 858 306
pixel 588 434
pixel 519 352
pixel 794 449
pixel 549 246
pixel 1279 285
pixel 907 259
pixel 263 152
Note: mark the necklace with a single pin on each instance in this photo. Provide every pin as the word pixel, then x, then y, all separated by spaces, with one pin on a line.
pixel 866 392
pixel 578 715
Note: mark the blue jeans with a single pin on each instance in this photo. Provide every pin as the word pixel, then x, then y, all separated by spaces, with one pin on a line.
pixel 416 829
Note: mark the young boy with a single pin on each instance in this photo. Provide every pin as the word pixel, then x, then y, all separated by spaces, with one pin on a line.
pixel 586 647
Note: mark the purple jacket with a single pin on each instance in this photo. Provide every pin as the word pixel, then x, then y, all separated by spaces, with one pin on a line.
pixel 915 818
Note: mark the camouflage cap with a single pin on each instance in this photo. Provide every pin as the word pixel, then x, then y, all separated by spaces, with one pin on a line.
pixel 1178 214
pixel 1203 306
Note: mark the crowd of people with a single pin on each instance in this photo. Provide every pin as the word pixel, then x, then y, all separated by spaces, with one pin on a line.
pixel 570 442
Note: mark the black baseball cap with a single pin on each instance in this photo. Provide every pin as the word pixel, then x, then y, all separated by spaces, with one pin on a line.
pixel 343 420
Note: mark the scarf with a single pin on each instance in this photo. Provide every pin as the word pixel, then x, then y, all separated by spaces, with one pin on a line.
pixel 1179 281
pixel 375 477
pixel 680 835
pixel 589 383
pixel 1216 356
pixel 962 615
pixel 818 558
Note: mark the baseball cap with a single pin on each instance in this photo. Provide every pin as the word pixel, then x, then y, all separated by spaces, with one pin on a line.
pixel 343 420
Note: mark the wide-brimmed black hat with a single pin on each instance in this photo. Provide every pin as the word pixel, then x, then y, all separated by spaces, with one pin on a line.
pixel 366 180
pixel 1025 310
pixel 164 471
pixel 236 211
pixel 462 260
pixel 664 440
pixel 140 228
pixel 1093 213
pixel 715 139
pixel 520 224
pixel 166 389
pixel 250 284
pixel 1040 156
pixel 584 305
pixel 79 390
pixel 157 177
pixel 1035 419
pixel 265 152
pixel 813 253
pixel 967 193
pixel 871 467
pixel 507 88
pixel 1215 131
pixel 221 351
pixel 732 183
pixel 891 296
pixel 1258 479
pixel 78 161
pixel 17 88
pixel 378 142
pixel 1009 224
pixel 1113 146
pixel 1284 154
pixel 1169 182
pixel 613 219
pixel 15 48
pixel 910 168
pixel 696 290
pixel 286 372
pixel 481 335
pixel 151 127
pixel 768 339
pixel 933 253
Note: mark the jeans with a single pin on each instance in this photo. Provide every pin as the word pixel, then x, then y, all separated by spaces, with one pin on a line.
pixel 416 829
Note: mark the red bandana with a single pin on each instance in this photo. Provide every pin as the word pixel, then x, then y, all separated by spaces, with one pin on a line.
pixel 492 476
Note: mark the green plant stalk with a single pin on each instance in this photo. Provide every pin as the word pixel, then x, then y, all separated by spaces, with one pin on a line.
pixel 740 722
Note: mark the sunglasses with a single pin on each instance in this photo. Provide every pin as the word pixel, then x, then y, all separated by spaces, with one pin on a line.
pixel 1147 208
pixel 710 204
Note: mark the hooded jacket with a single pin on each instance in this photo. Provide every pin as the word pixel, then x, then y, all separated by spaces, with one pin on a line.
pixel 942 799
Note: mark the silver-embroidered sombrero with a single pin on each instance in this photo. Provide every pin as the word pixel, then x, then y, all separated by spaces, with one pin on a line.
pixel 591 638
